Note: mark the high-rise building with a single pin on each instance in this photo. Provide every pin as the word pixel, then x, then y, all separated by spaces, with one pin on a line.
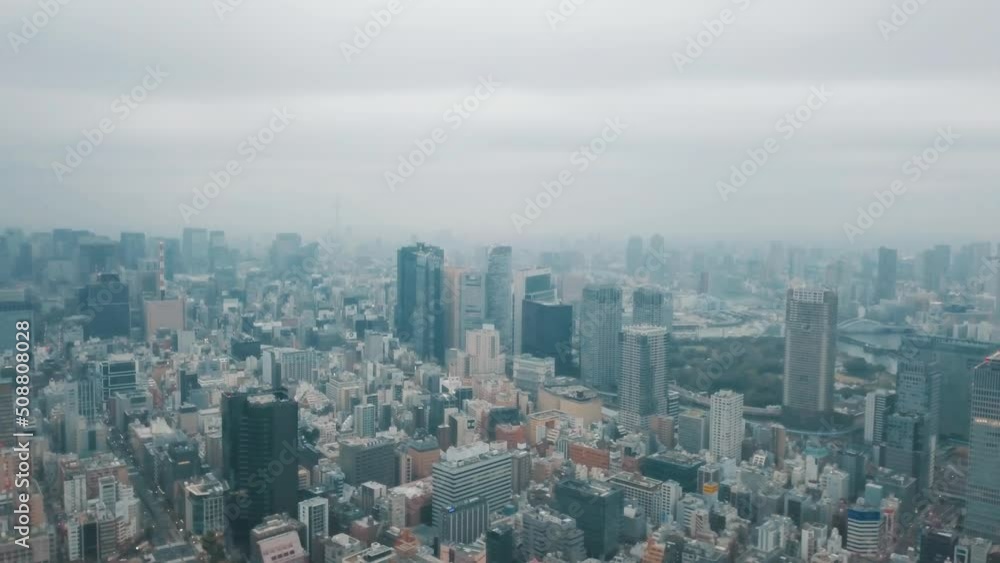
pixel 934 267
pixel 726 428
pixel 364 421
pixel 204 506
pixel 259 433
pixel 472 304
pixel 464 521
pixel 810 353
pixel 983 487
pixel 653 306
pixel 119 374
pixel 692 431
pixel 643 386
pixel 105 302
pixel 133 249
pixel 918 392
pixel 314 512
pixel 15 305
pixel 885 284
pixel 548 332
pixel 600 325
pixel 531 284
pixel 484 351
pixel 500 544
pixel 633 255
pixel 471 471
pixel 547 531
pixel 499 283
pixel 194 246
pixel 419 314
pixel 368 459
pixel 878 405
pixel 598 512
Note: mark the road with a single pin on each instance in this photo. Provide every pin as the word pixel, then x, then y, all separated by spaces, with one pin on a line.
pixel 165 528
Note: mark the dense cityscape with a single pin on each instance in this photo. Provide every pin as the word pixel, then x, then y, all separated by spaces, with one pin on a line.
pixel 205 397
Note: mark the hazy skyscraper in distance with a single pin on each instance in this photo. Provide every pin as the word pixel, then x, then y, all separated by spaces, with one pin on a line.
pixel 472 304
pixel 918 393
pixel 810 353
pixel 643 386
pixel 633 255
pixel 419 314
pixel 499 279
pixel 600 324
pixel 983 487
pixel 653 306
pixel 885 284
pixel 195 250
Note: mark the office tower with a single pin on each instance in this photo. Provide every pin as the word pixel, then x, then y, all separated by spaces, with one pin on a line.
pixel 204 506
pixel 534 284
pixel 810 353
pixel 865 526
pixel 499 284
pixel 657 498
pixel 285 251
pixel 918 393
pixel 500 544
pixel 419 314
pixel 653 306
pixel 547 531
pixel 259 438
pixel 484 351
pixel 133 249
pixel 598 512
pixel 937 546
pixel 218 252
pixel 600 325
pixel 15 305
pixel 472 304
pixel 364 421
pixel 878 405
pixel 643 387
pixel 194 247
pixel 692 431
pixel 315 514
pixel 465 521
pixel 119 374
pixel 451 307
pixel 472 471
pixel 983 487
pixel 726 427
pixel 530 373
pixel 935 264
pixel 368 459
pixel 548 333
pixel 906 445
pixel 96 255
pixel 106 304
pixel 885 284
pixel 633 255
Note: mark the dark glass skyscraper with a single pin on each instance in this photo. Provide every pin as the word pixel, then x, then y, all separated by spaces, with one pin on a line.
pixel 982 490
pixel 885 284
pixel 259 459
pixel 499 280
pixel 597 509
pixel 105 302
pixel 420 314
pixel 548 332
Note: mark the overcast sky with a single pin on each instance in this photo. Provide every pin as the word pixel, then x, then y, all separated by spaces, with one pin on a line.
pixel 560 79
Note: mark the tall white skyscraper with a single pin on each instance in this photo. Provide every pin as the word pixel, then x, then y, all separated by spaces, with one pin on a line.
pixel 600 325
pixel 643 388
pixel 726 427
pixel 484 351
pixel 810 353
